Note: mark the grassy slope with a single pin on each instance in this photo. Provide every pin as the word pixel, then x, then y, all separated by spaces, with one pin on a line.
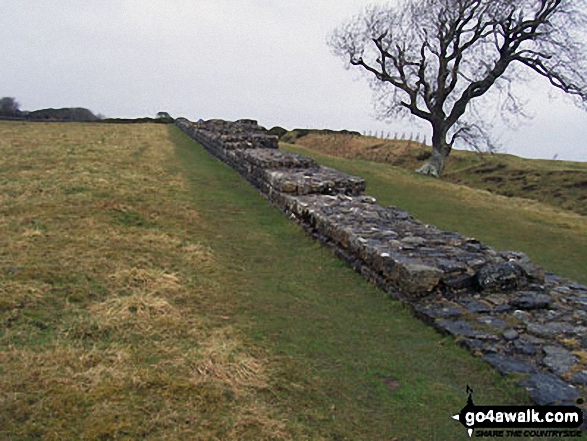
pixel 558 183
pixel 102 287
pixel 147 292
pixel 552 237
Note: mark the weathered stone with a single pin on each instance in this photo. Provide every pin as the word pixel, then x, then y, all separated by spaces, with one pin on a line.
pixel 531 271
pixel 530 300
pixel 522 316
pixel 497 299
pixel 548 389
pixel 580 302
pixel 549 330
pixel 458 282
pixel 577 286
pixel 460 328
pixel 500 277
pixel 491 321
pixel 510 334
pixel 524 347
pixel 477 346
pixel 418 279
pixel 320 180
pixel 475 306
pixel 440 312
pixel 508 365
pixel 580 378
pixel 414 241
pixel 564 290
pixel 547 316
pixel 558 359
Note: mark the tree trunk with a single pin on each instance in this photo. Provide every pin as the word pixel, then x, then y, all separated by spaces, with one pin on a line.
pixel 440 151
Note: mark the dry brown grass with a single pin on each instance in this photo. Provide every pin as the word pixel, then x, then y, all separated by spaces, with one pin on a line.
pixel 110 324
pixel 395 151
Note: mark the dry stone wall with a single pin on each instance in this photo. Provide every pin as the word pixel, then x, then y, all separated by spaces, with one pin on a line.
pixel 499 305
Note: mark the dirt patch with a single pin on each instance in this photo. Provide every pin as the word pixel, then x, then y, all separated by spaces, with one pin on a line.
pixel 392 384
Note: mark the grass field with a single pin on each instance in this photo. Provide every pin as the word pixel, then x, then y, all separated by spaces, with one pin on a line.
pixel 147 292
pixel 553 237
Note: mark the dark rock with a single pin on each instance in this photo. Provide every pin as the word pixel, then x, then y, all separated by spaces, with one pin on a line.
pixel 458 282
pixel 564 290
pixel 522 316
pixel 548 389
pixel 581 302
pixel 475 306
pixel 530 300
pixel 530 270
pixel 511 334
pixel 440 311
pixel 577 286
pixel 524 347
pixel 476 345
pixel 548 316
pixel 580 378
pixel 460 328
pixel 501 277
pixel 552 278
pixel 558 359
pixel 472 344
pixel 451 266
pixel 494 322
pixel 550 330
pixel 508 365
pixel 533 340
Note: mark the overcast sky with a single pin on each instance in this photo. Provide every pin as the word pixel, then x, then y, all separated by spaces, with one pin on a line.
pixel 230 59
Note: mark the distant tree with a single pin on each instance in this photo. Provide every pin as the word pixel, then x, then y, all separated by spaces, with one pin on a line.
pixel 277 131
pixel 163 115
pixel 433 59
pixel 64 114
pixel 9 107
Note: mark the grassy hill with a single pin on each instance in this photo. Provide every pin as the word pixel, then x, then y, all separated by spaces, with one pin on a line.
pixel 558 183
pixel 148 292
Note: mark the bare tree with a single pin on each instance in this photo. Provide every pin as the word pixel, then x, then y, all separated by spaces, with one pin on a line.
pixel 434 59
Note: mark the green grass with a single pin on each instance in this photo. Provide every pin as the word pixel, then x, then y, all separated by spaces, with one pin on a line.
pixel 552 237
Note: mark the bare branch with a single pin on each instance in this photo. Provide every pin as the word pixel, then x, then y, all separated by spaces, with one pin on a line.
pixel 434 59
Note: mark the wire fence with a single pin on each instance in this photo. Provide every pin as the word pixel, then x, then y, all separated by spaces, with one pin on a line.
pixel 407 136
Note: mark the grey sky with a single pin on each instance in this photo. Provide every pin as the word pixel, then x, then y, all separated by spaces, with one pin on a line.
pixel 230 59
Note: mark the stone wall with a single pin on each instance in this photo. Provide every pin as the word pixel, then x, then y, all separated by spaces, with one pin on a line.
pixel 499 305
